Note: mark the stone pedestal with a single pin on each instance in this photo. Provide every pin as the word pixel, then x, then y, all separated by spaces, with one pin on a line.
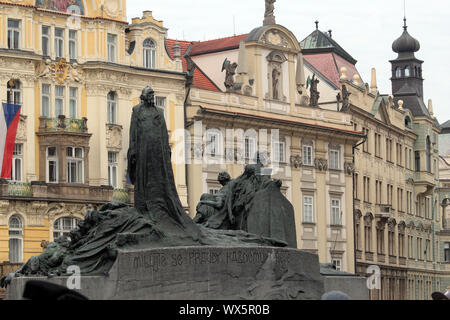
pixel 202 273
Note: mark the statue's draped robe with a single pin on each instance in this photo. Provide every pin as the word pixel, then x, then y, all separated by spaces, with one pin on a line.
pixel 151 173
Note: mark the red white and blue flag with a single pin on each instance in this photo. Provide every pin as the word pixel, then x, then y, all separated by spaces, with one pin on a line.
pixel 9 122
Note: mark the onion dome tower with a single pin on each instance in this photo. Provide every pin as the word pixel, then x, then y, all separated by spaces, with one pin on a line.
pixel 407 81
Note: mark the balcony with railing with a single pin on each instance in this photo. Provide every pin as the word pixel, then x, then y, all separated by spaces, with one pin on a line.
pixel 62 124
pixel 63 191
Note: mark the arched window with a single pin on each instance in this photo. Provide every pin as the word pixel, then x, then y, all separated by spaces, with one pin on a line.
pixel 408 122
pixel 428 154
pixel 63 226
pixel 112 108
pixel 149 54
pixel 15 239
pixel 407 71
pixel 14 92
pixel 398 72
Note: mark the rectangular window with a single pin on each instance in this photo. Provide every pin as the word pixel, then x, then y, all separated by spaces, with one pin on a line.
pixel 160 102
pixel 45 40
pixel 337 263
pixel 308 155
pixel 112 108
pixel 59 42
pixel 112 39
pixel 213 191
pixel 16 172
pixel 336 213
pixel 308 209
pixel 73 103
pixel 72 44
pixel 46 100
pixel 447 252
pixel 378 145
pixel 15 250
pixel 279 152
pixel 389 156
pixel 59 101
pixel 250 148
pixel 366 186
pixel 366 144
pixel 213 144
pixel 417 160
pixel 380 241
pixel 52 165
pixel 13 34
pixel 334 159
pixel 75 165
pixel 113 165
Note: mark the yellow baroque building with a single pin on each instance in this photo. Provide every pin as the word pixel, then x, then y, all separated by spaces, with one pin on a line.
pixel 77 68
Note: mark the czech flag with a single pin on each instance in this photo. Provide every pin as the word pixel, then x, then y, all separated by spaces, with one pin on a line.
pixel 9 122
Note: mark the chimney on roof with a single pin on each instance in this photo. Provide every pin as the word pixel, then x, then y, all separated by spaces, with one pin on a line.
pixel 430 108
pixel 300 76
pixel 373 84
pixel 176 50
pixel 330 33
pixel 242 60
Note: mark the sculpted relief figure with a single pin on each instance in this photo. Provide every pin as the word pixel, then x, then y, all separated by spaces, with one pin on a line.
pixel 230 69
pixel 270 8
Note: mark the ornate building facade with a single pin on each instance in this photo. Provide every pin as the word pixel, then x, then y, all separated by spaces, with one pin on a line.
pixel 396 173
pixel 244 91
pixel 77 70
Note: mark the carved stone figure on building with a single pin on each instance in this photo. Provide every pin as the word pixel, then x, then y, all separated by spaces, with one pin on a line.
pixel 230 69
pixel 275 84
pixel 345 98
pixel 269 17
pixel 314 92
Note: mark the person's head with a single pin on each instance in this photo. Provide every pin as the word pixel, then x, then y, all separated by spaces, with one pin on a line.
pixel 224 178
pixel 335 295
pixel 148 95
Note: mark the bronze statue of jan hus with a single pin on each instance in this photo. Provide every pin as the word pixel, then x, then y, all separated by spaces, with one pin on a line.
pixel 150 164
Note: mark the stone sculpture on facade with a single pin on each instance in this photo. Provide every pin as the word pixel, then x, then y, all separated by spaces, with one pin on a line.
pixel 269 17
pixel 314 92
pixel 230 69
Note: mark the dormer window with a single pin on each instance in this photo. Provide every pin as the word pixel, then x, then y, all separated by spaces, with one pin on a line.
pixel 149 54
pixel 408 122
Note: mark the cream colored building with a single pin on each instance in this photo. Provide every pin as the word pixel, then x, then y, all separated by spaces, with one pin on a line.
pixel 396 172
pixel 77 72
pixel 228 124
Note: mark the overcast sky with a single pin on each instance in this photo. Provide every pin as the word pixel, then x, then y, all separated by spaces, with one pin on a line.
pixel 365 29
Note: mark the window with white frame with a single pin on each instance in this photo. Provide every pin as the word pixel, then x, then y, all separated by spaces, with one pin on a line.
pixel 112 40
pixel 447 252
pixel 337 263
pixel 59 43
pixel 336 212
pixel 213 144
pixel 75 165
pixel 73 103
pixel 307 155
pixel 112 108
pixel 149 54
pixel 45 98
pixel 334 159
pixel 16 172
pixel 249 148
pixel 279 152
pixel 113 165
pixel 63 226
pixel 160 103
pixel 14 92
pixel 308 209
pixel 59 100
pixel 72 44
pixel 52 165
pixel 45 40
pixel 15 239
pixel 213 191
pixel 13 34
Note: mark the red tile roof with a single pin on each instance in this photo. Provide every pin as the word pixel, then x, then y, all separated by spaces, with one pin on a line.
pixel 329 65
pixel 200 79
pixel 217 45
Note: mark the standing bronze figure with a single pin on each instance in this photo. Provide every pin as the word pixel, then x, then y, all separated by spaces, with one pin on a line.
pixel 150 165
